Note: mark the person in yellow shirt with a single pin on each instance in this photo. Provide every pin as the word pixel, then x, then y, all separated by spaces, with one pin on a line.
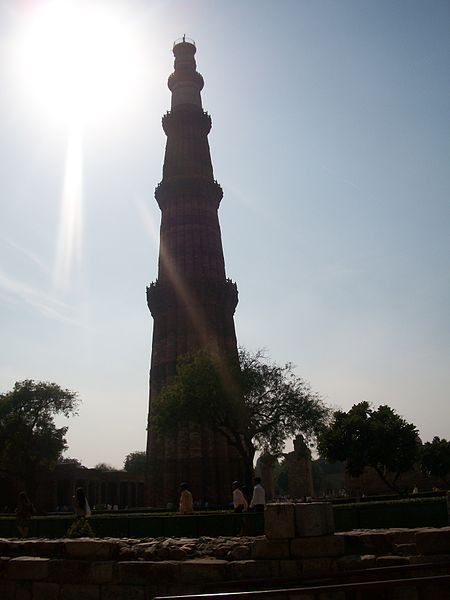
pixel 239 502
pixel 186 504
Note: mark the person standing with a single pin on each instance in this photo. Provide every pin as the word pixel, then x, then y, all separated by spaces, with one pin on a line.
pixel 239 502
pixel 81 505
pixel 24 512
pixel 258 500
pixel 186 503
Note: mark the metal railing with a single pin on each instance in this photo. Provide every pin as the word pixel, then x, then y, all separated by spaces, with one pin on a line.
pixel 357 590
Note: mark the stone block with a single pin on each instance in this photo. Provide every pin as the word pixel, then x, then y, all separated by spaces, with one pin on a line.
pixel 7 590
pixel 3 563
pixel 27 567
pixel 436 559
pixel 85 548
pixel 240 553
pixel 314 519
pixel 406 549
pixel 270 549
pixel 318 546
pixel 392 561
pixel 401 536
pixel 23 590
pixel 290 569
pixel 75 592
pixel 318 567
pixel 379 543
pixel 69 571
pixel 102 572
pixel 41 548
pixel 279 521
pixel 4 547
pixel 433 541
pixel 123 592
pixel 43 590
pixel 143 573
pixel 203 570
pixel 253 569
pixel 353 562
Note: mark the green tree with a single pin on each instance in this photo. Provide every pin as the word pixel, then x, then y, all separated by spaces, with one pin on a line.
pixel 135 462
pixel 364 437
pixel 255 404
pixel 105 467
pixel 67 460
pixel 29 438
pixel 435 459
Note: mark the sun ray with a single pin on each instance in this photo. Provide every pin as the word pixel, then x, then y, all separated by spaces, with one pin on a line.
pixel 68 255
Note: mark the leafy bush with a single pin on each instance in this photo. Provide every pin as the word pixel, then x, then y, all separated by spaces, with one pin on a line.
pixel 80 528
pixel 420 512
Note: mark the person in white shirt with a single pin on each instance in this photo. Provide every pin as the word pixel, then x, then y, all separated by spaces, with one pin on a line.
pixel 239 502
pixel 258 501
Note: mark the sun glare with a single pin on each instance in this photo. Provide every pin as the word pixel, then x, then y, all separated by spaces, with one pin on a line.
pixel 79 60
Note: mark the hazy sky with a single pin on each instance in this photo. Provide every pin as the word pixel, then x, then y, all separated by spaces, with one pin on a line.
pixel 331 140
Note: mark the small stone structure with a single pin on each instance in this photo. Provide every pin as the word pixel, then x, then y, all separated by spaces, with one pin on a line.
pixel 299 469
pixel 265 468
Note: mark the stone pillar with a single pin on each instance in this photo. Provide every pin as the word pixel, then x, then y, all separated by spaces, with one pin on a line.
pixel 299 468
pixel 265 467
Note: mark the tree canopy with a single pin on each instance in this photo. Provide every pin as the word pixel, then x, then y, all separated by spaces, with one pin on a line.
pixel 67 460
pixel 436 459
pixel 29 438
pixel 135 462
pixel 365 437
pixel 256 405
pixel 105 467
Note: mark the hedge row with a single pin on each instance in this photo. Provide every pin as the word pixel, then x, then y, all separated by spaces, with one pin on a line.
pixel 141 526
pixel 424 512
pixel 421 512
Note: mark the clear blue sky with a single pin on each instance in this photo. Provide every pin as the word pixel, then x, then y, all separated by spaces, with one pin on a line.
pixel 331 140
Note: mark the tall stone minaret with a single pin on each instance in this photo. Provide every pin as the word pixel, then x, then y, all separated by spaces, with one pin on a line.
pixel 192 302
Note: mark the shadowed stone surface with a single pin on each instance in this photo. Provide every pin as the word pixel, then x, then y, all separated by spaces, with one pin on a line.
pixel 270 549
pixel 92 549
pixel 327 545
pixel 279 521
pixel 300 559
pixel 432 541
pixel 315 518
pixel 27 567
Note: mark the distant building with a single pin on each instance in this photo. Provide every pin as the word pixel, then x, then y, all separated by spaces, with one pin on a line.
pixel 57 488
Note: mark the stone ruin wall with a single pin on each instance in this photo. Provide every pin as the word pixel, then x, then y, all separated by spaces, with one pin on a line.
pixel 299 546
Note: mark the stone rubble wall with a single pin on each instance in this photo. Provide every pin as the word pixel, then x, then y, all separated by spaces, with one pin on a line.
pixel 299 545
pixel 136 570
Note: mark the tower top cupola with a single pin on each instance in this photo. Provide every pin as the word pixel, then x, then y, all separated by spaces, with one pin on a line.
pixel 185 82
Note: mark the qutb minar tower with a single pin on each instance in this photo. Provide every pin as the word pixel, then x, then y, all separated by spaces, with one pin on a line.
pixel 192 301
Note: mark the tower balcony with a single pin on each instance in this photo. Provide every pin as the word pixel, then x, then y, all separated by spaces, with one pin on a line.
pixel 193 293
pixel 184 40
pixel 185 116
pixel 182 187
